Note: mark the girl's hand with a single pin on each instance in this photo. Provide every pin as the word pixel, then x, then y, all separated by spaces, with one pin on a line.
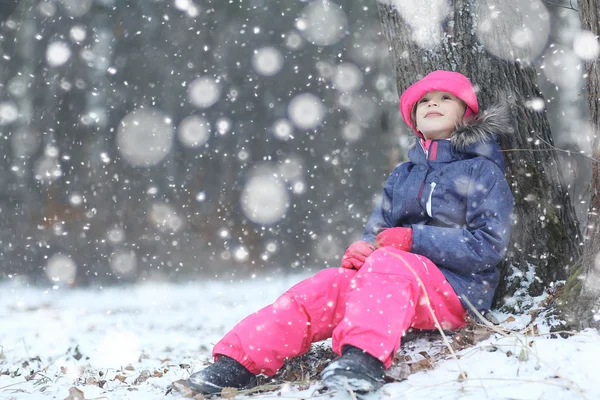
pixel 399 238
pixel 356 254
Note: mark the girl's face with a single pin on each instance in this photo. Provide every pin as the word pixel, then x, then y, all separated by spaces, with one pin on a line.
pixel 438 113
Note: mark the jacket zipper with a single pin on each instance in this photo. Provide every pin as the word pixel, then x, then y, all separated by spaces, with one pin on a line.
pixel 428 204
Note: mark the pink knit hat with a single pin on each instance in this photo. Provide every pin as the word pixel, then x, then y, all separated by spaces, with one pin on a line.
pixel 443 81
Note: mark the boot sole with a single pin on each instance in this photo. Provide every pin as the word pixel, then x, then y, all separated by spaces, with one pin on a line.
pixel 342 381
pixel 205 387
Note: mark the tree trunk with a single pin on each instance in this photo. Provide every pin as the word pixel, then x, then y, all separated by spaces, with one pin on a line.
pixel 580 302
pixel 545 229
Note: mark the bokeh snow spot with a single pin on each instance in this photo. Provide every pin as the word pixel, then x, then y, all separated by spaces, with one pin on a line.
pixel 115 235
pixel 77 8
pixel 306 111
pixel 58 53
pixel 19 85
pixel 347 78
pixel 264 199
pixel 78 33
pixel 145 137
pixel 8 112
pixel 293 40
pixel 425 19
pixel 223 125
pixel 61 268
pixel 241 254
pixel 536 104
pixel 200 196
pixel 204 92
pixel 559 65
pixel 47 168
pixel 76 199
pixel 283 129
pixel 586 45
pixel 267 61
pixel 165 217
pixel 322 23
pixel 514 33
pixel 292 168
pixel 194 131
pixel 123 263
pixel 351 132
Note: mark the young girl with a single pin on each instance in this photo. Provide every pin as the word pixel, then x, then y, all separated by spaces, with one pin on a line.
pixel 435 239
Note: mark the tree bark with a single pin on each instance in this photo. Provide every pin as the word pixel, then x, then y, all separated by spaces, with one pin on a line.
pixel 580 303
pixel 545 232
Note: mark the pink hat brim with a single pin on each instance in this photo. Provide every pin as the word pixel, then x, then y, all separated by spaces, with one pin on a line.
pixel 443 81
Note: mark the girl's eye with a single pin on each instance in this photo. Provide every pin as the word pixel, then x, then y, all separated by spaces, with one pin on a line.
pixel 423 100
pixel 446 97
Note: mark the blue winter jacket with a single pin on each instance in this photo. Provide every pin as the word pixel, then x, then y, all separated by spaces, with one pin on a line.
pixel 457 202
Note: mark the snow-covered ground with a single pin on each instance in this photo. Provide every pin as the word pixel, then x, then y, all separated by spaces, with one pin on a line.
pixel 133 342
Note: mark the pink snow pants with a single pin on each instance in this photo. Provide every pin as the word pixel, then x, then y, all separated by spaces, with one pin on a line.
pixel 370 309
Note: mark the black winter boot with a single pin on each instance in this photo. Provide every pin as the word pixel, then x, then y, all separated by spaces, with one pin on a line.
pixel 355 370
pixel 225 372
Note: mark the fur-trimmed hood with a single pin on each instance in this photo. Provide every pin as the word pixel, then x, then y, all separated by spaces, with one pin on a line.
pixel 474 138
pixel 489 125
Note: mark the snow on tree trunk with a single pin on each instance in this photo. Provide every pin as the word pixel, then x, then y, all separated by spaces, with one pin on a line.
pixel 581 299
pixel 466 37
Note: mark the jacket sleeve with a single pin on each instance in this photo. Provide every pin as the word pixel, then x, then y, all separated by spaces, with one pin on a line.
pixel 381 217
pixel 482 242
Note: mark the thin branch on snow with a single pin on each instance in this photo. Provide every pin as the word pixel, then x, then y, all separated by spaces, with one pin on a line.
pixel 462 374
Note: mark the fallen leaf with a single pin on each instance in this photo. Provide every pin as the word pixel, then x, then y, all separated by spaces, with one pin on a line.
pixel 75 394
pixel 397 372
pixel 481 334
pixel 120 378
pixel 461 377
pixel 183 389
pixel 421 365
pixel 144 375
pixel 129 368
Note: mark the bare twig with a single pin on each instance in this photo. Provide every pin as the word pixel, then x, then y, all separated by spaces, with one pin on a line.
pixel 462 375
pixel 12 384
pixel 350 391
pixel 552 147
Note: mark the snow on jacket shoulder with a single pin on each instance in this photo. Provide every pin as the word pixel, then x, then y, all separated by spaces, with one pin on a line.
pixel 456 199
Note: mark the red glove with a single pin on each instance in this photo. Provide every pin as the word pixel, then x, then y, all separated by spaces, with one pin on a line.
pixel 356 254
pixel 400 238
